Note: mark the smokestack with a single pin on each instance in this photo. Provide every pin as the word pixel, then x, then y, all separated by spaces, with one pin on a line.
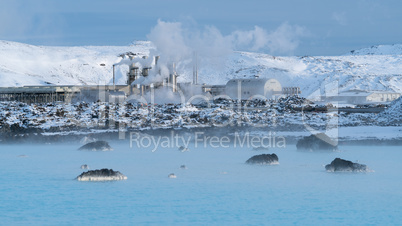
pixel 114 84
pixel 173 82
pixel 145 71
pixel 133 74
pixel 173 78
pixel 195 68
pixel 156 60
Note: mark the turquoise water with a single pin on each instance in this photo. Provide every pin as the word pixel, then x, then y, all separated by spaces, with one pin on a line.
pixel 217 188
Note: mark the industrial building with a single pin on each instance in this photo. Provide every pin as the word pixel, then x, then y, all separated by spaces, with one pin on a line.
pixel 363 97
pixel 290 91
pixel 138 74
pixel 248 88
pixel 50 94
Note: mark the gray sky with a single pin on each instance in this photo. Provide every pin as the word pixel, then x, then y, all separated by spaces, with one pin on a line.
pixel 320 27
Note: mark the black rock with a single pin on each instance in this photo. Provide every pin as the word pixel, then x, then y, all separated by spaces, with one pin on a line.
pixel 339 165
pixel 263 159
pixel 317 142
pixel 97 146
pixel 183 149
pixel 101 175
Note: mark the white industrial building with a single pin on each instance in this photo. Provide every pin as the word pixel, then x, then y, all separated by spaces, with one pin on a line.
pixel 364 97
pixel 253 88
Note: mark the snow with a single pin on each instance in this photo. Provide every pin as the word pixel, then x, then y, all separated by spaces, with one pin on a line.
pixel 395 49
pixel 376 68
pixel 393 114
pixel 90 118
pixel 23 64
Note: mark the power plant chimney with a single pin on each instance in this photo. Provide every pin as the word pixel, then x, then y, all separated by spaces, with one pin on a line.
pixel 114 84
pixel 195 68
pixel 172 80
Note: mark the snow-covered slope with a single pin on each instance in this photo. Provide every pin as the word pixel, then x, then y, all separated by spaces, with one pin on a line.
pixel 376 68
pixel 22 64
pixel 395 49
pixel 311 74
pixel 393 114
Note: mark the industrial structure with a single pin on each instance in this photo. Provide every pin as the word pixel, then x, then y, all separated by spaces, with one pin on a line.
pixel 144 75
pixel 363 97
pixel 138 74
pixel 50 94
pixel 290 91
pixel 248 88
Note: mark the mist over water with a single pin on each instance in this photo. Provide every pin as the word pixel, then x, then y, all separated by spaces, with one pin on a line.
pixel 216 188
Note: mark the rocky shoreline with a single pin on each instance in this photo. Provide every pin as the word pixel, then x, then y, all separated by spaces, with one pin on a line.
pixel 48 122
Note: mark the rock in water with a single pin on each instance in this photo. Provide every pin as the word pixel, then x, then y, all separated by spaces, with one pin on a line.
pixel 263 159
pixel 183 149
pixel 101 175
pixel 341 165
pixel 317 142
pixel 183 167
pixel 97 146
pixel 172 175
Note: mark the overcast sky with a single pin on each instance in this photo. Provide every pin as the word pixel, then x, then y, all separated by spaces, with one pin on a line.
pixel 316 27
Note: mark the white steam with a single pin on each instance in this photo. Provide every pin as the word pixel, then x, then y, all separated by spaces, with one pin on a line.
pixel 285 39
pixel 176 42
pixel 170 40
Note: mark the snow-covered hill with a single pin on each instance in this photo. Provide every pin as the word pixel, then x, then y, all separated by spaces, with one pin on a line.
pixel 393 114
pixel 22 64
pixel 376 68
pixel 395 49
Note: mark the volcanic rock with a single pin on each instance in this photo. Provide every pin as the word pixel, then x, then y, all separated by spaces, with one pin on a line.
pixel 341 165
pixel 317 142
pixel 101 175
pixel 183 149
pixel 263 159
pixel 97 146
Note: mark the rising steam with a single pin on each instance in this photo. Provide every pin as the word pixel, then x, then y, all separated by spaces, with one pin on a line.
pixel 177 42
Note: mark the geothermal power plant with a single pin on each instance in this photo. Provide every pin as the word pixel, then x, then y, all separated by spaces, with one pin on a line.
pixel 154 76
pixel 146 75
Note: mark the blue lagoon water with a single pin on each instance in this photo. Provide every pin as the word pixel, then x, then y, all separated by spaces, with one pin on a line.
pixel 217 188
